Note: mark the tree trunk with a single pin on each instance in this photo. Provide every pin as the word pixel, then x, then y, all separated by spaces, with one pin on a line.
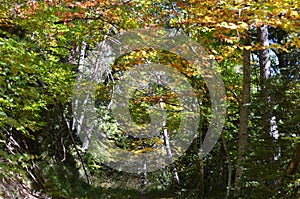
pixel 199 179
pixel 229 180
pixel 265 74
pixel 294 162
pixel 243 130
pixel 264 55
pixel 268 119
pixel 167 142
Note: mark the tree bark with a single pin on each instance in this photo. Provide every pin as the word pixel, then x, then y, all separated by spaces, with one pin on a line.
pixel 294 162
pixel 264 55
pixel 265 74
pixel 199 179
pixel 169 152
pixel 229 180
pixel 269 120
pixel 243 130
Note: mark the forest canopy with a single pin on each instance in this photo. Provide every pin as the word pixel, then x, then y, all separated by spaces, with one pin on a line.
pixel 48 46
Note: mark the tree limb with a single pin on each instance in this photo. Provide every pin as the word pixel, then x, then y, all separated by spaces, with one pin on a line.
pixel 294 162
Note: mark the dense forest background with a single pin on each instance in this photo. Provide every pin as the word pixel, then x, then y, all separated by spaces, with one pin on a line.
pixel 43 46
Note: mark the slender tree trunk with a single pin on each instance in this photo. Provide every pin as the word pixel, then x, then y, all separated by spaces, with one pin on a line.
pixel 145 176
pixel 229 180
pixel 243 130
pixel 167 142
pixel 264 55
pixel 265 74
pixel 199 179
pixel 294 162
pixel 269 120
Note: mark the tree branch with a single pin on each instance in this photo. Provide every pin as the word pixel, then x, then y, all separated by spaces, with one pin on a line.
pixel 74 143
pixel 294 162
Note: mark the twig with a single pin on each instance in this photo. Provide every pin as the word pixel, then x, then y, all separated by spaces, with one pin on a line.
pixel 74 143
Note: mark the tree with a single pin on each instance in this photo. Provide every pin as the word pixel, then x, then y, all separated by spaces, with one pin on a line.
pixel 42 44
pixel 243 129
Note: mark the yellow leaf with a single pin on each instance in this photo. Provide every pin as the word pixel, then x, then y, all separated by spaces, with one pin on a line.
pixel 294 15
pixel 215 52
pixel 243 25
pixel 247 47
pixel 145 150
pixel 209 19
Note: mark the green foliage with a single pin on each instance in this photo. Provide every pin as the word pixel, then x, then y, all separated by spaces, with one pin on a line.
pixel 40 43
